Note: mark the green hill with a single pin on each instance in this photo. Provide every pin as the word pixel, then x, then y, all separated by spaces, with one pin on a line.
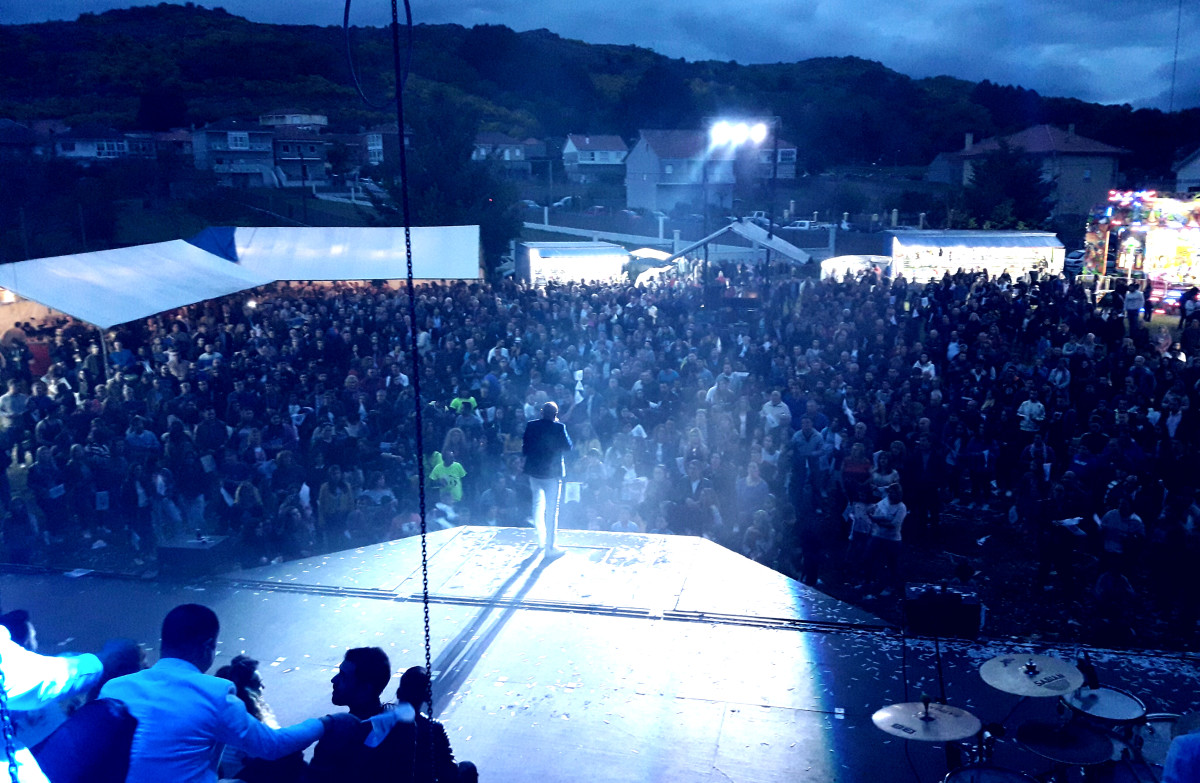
pixel 171 64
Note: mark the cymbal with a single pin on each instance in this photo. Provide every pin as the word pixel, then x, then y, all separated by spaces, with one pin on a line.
pixel 1073 743
pixel 1031 675
pixel 943 723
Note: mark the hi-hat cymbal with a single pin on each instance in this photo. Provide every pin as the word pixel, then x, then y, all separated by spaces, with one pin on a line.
pixel 942 723
pixel 1031 675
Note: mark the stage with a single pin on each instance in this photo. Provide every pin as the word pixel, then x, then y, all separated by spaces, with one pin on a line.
pixel 632 658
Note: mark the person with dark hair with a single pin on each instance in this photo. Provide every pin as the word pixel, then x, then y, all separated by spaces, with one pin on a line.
pixel 545 442
pixel 184 715
pixel 381 748
pixel 20 628
pixel 242 671
pixel 431 734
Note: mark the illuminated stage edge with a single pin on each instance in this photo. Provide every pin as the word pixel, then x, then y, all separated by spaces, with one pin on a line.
pixel 633 658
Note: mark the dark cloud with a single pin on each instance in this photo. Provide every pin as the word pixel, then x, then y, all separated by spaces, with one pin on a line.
pixel 1097 50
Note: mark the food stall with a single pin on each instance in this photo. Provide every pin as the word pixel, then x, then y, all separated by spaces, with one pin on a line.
pixel 921 255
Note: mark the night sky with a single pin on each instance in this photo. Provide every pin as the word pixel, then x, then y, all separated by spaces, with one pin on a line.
pixel 1097 50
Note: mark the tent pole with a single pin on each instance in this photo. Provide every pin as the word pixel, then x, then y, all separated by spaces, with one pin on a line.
pixel 104 352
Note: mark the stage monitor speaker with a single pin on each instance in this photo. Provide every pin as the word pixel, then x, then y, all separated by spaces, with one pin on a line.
pixel 188 558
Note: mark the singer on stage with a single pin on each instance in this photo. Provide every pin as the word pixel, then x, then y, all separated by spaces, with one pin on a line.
pixel 545 443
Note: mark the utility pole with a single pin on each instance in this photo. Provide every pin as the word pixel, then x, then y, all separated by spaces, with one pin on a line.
pixel 304 184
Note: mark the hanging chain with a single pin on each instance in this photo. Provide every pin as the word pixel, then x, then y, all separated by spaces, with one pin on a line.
pixel 414 352
pixel 10 733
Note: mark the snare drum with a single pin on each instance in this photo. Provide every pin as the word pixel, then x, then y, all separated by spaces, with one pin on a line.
pixel 985 773
pixel 1106 705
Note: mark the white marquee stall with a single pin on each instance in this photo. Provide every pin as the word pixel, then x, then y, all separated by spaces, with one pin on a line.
pixel 920 255
pixel 110 287
pixel 439 253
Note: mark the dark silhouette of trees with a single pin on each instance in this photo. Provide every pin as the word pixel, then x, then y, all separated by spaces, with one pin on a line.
pixel 1007 191
pixel 447 188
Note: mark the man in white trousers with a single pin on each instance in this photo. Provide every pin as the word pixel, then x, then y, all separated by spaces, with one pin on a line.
pixel 545 442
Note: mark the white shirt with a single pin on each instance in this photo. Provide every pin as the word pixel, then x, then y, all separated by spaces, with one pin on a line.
pixel 1134 300
pixel 32 681
pixel 774 413
pixel 184 720
pixel 893 514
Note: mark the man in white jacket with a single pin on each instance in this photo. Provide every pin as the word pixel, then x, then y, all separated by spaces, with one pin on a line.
pixel 185 717
pixel 31 681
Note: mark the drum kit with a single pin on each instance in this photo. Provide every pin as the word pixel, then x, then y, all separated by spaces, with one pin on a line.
pixel 1103 732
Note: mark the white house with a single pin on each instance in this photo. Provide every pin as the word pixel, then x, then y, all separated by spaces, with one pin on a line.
pixel 91 143
pixel 294 118
pixel 670 168
pixel 587 158
pixel 1187 174
pixel 239 154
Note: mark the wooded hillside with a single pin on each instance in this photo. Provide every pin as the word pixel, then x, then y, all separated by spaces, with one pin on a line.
pixel 179 65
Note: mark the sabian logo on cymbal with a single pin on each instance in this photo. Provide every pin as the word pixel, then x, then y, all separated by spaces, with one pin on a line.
pixel 1047 680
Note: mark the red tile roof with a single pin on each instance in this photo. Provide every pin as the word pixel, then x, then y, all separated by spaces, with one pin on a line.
pixel 1044 140
pixel 683 145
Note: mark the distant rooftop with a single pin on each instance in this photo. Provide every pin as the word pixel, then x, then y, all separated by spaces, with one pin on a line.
pixel 683 145
pixel 598 143
pixel 1043 140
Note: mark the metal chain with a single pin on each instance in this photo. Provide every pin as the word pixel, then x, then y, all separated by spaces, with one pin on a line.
pixel 10 734
pixel 419 422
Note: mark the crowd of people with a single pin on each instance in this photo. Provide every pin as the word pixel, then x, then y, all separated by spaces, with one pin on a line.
pixel 816 433
pixel 110 718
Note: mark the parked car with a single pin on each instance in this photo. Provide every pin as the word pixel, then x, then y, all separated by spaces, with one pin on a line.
pixel 808 225
pixel 596 210
pixel 632 214
pixel 566 202
pixel 529 203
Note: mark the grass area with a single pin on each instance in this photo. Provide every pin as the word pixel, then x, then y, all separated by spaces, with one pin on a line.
pixel 138 224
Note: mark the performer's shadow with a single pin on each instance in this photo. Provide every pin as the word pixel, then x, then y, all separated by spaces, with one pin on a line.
pixel 455 664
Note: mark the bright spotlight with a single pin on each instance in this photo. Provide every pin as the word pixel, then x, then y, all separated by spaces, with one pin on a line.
pixel 721 133
pixel 251 304
pixel 758 133
pixel 741 132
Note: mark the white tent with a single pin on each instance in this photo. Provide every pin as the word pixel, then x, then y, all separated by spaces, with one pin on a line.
pixel 840 266
pixel 439 253
pixel 110 287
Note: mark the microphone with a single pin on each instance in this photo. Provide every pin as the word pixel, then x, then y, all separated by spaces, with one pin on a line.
pixel 1091 680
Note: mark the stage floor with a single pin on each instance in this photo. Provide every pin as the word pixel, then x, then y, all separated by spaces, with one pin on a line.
pixel 632 658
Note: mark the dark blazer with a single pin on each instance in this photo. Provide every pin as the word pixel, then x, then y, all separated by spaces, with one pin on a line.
pixel 544 445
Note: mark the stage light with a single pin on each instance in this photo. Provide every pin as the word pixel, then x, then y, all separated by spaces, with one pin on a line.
pixel 758 133
pixel 721 133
